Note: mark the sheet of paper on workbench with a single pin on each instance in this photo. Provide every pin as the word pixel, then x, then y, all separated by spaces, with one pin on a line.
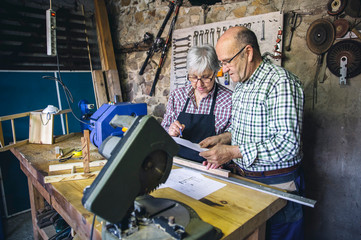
pixel 189 144
pixel 191 183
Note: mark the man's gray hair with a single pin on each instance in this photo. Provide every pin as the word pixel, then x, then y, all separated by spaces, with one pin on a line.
pixel 201 58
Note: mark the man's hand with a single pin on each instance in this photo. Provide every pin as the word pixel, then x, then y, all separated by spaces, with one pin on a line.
pixel 209 142
pixel 219 155
pixel 175 127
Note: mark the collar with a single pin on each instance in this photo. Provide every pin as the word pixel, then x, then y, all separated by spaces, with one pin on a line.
pixel 190 91
pixel 256 73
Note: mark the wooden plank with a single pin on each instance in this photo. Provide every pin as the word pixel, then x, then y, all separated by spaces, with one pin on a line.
pixel 100 91
pixel 199 166
pixel 70 177
pixel 14 116
pixel 36 203
pixel 259 234
pixel 67 201
pixel 13 130
pixel 66 124
pixel 63 111
pixel 13 145
pixel 2 143
pixel 85 143
pixel 104 38
pixel 63 137
pixel 70 166
pixel 41 127
pixel 113 83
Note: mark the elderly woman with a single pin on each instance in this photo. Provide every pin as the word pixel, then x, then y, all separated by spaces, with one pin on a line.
pixel 201 109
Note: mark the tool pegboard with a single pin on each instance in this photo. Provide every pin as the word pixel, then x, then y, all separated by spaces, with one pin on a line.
pixel 267 27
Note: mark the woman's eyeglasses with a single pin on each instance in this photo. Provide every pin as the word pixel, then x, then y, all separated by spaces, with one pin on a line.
pixel 194 79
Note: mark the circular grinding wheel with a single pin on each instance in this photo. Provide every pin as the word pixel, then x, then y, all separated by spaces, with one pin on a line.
pixel 335 7
pixel 350 49
pixel 320 36
pixel 341 27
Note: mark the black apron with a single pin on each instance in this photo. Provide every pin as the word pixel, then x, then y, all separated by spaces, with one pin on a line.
pixel 198 127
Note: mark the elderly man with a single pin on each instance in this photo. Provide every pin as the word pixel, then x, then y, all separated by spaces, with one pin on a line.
pixel 264 140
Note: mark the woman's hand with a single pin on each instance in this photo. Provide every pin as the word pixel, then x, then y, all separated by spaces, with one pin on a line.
pixel 175 128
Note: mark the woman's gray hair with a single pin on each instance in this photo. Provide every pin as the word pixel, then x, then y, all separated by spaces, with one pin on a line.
pixel 201 58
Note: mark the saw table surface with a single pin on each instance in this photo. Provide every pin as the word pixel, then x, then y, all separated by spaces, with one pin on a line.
pixel 238 211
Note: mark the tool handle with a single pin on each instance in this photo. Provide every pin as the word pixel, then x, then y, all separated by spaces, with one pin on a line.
pixel 356 32
pixel 149 54
pixel 152 90
pixel 153 47
pixel 165 48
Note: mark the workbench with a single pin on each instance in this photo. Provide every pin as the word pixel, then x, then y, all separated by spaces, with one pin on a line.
pixel 238 211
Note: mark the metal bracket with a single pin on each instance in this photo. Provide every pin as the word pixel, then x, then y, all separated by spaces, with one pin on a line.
pixel 343 70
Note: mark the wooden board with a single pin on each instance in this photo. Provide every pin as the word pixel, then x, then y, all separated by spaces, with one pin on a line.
pixel 105 43
pixel 113 83
pixel 199 166
pixel 70 166
pixel 100 91
pixel 41 127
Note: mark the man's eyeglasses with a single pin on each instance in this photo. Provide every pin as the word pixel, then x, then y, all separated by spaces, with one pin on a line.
pixel 194 79
pixel 226 62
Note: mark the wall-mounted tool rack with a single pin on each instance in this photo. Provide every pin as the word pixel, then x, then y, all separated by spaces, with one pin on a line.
pixel 267 27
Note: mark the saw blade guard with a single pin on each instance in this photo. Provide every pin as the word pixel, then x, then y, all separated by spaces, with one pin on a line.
pixel 137 164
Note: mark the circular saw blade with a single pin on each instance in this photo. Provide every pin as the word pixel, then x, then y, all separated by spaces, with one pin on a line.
pixel 350 49
pixel 341 27
pixel 154 171
pixel 320 36
pixel 335 7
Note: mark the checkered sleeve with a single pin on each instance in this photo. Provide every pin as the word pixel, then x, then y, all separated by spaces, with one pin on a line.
pixel 223 109
pixel 175 105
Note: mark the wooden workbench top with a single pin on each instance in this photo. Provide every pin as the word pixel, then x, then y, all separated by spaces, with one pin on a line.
pixel 236 210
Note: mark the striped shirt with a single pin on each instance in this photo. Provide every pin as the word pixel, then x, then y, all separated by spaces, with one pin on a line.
pixel 267 118
pixel 222 108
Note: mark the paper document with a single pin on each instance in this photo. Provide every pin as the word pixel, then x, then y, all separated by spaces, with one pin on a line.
pixel 191 183
pixel 189 144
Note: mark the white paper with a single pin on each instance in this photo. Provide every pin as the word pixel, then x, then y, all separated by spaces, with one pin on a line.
pixel 189 144
pixel 191 183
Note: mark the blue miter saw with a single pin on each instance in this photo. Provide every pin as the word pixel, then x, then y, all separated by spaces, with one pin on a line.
pixel 137 163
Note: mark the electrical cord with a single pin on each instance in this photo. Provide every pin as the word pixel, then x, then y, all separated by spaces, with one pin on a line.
pixel 91 233
pixel 68 95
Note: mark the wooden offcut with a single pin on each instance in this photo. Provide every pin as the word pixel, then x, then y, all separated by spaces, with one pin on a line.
pixel 69 177
pixel 70 166
pixel 199 166
pixel 85 143
pixel 41 128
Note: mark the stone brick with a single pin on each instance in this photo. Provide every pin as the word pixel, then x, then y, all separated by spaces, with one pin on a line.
pixel 125 3
pixel 240 12
pixel 159 110
pixel 139 17
pixel 166 92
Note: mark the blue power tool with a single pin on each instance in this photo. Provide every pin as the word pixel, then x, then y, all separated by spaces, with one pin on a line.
pixel 100 120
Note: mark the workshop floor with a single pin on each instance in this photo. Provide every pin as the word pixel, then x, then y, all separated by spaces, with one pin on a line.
pixel 19 227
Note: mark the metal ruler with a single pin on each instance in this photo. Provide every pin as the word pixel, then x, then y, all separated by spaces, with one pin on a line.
pixel 260 187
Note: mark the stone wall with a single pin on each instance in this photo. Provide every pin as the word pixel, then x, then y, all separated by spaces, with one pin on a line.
pixel 332 127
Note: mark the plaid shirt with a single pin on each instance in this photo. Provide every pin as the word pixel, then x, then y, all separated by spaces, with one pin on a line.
pixel 267 117
pixel 222 108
